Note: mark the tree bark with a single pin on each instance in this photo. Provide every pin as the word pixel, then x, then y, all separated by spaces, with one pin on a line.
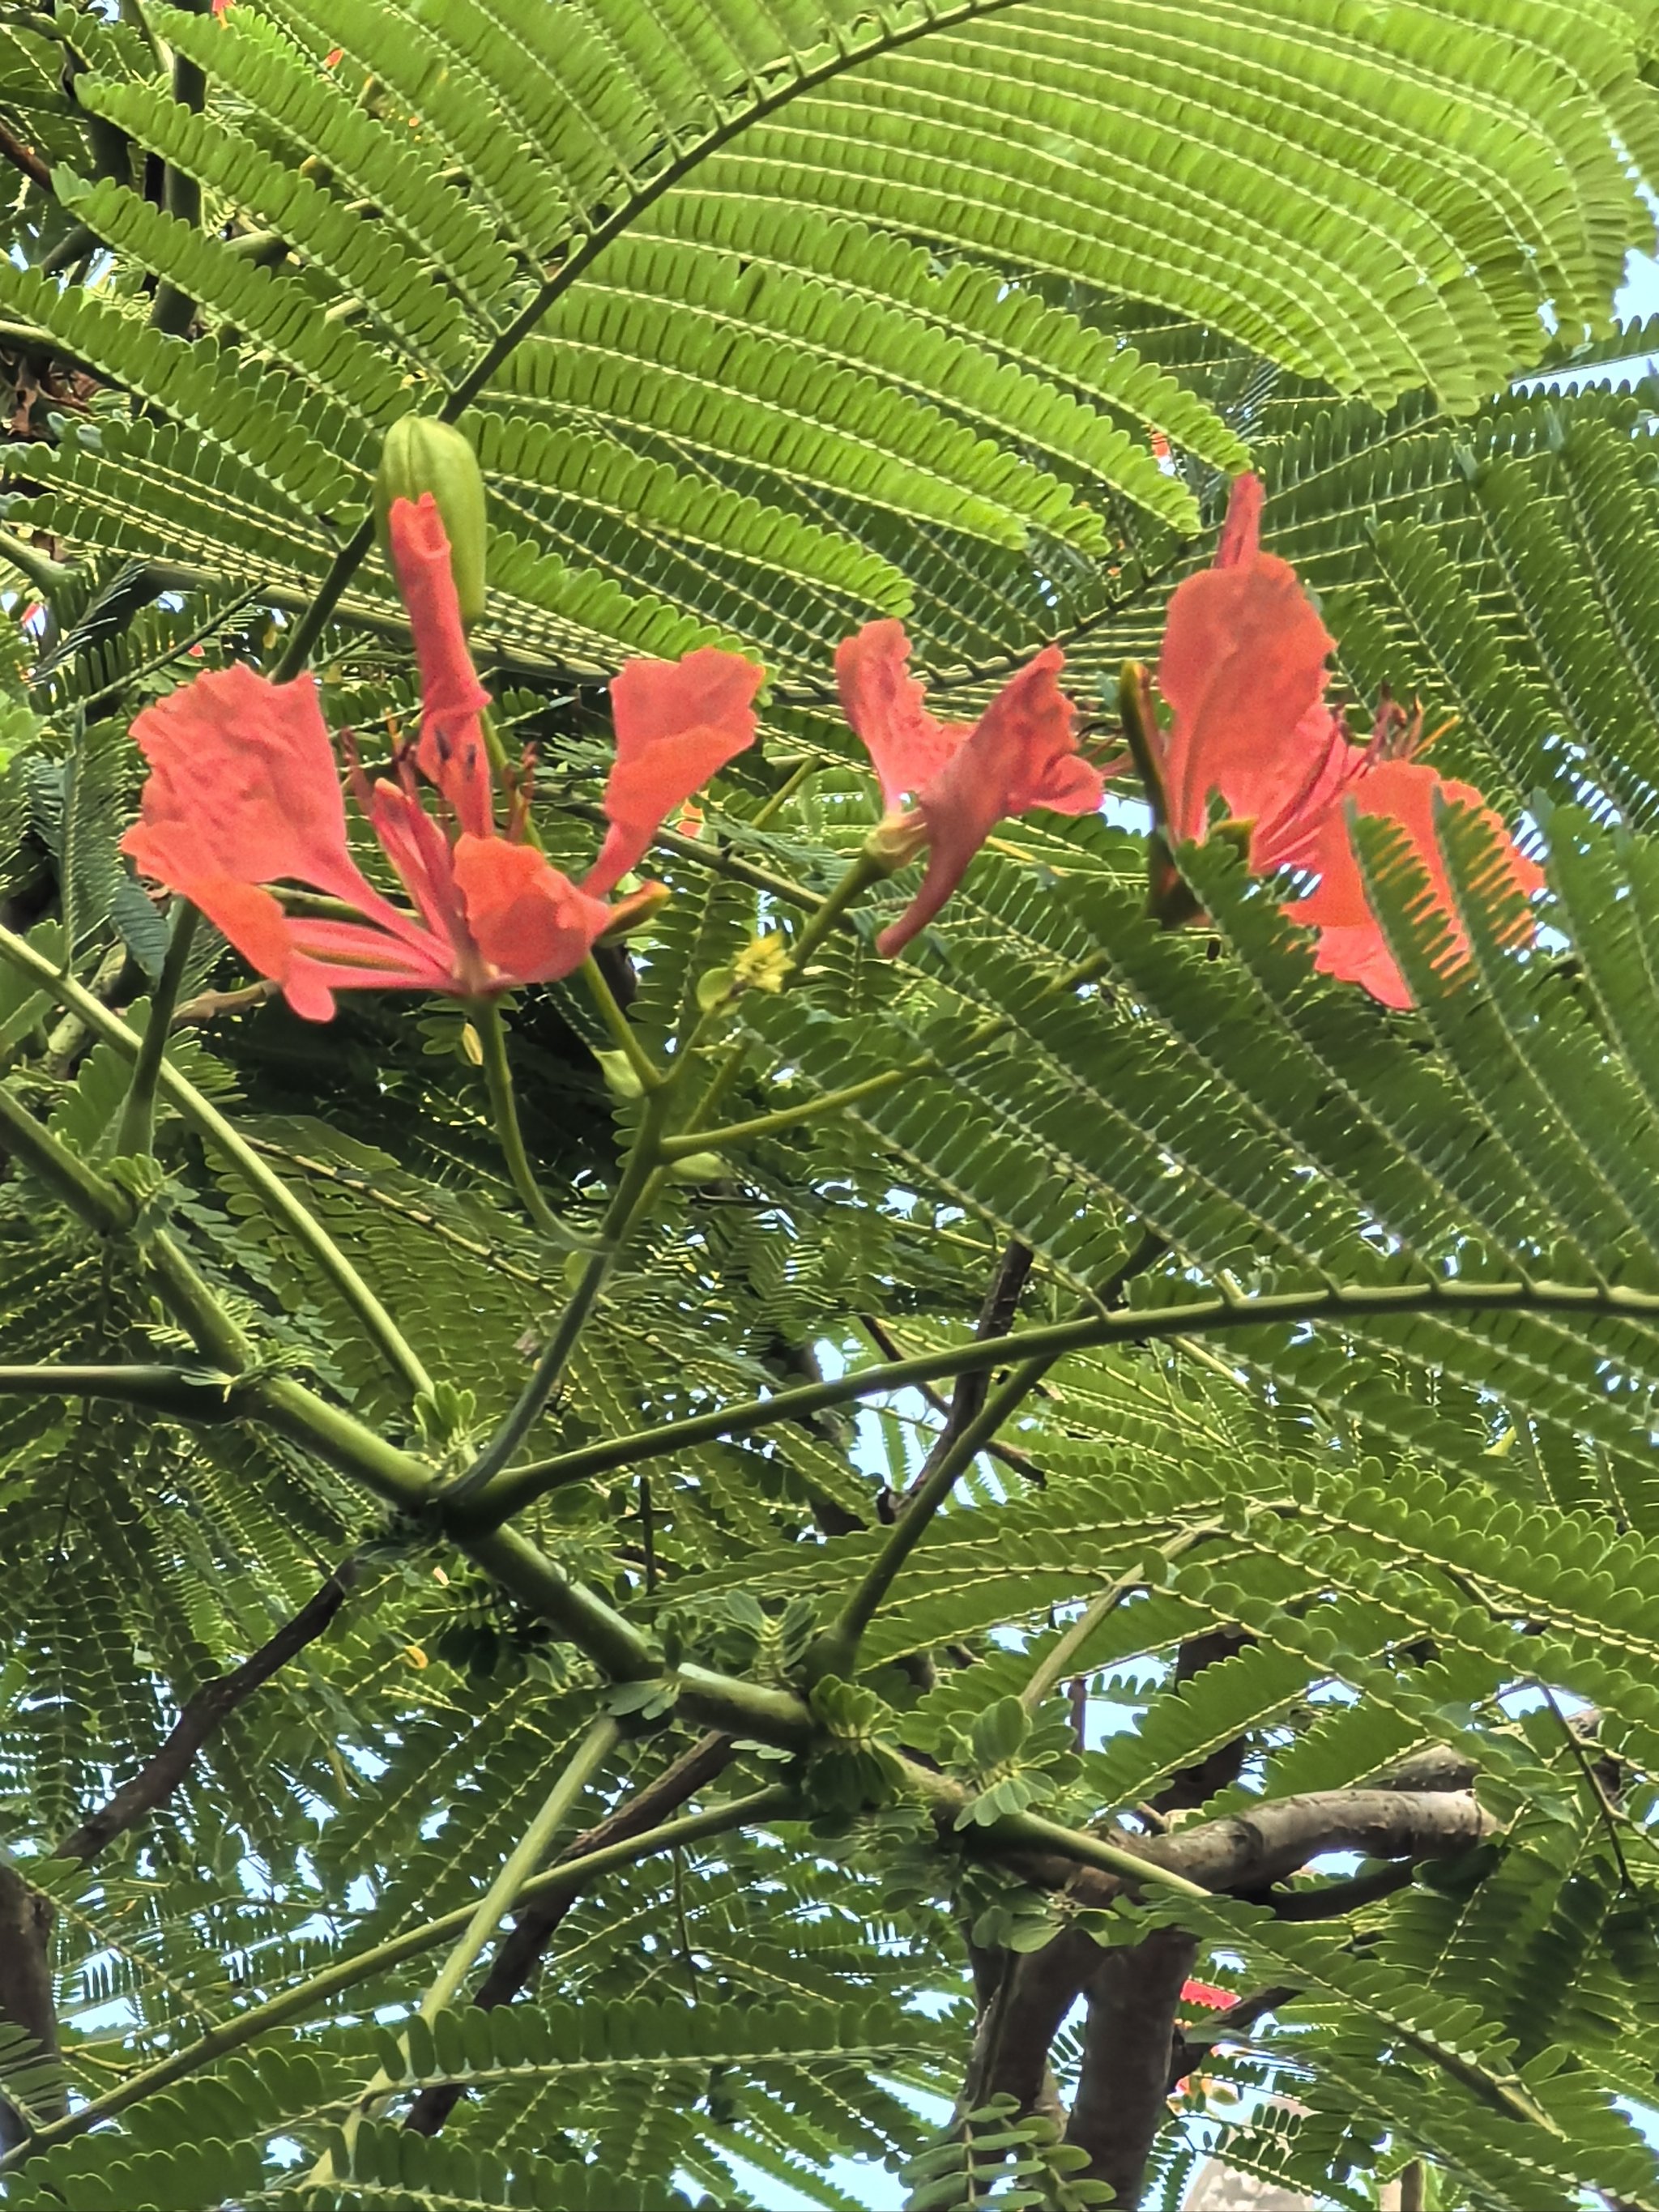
pixel 1124 2080
pixel 26 1990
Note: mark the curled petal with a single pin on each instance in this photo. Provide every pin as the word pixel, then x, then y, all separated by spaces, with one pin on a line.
pixel 677 722
pixel 886 707
pixel 531 923
pixel 243 788
pixel 1021 754
pixel 243 791
pixel 1244 669
pixel 452 752
pixel 1352 947
pixel 1239 542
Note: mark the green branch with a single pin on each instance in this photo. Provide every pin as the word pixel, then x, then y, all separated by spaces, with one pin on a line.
pixel 835 1651
pixel 510 1493
pixel 1057 1663
pixel 268 1188
pixel 297 2004
pixel 46 574
pixel 504 1108
pixel 135 1134
pixel 191 1396
pixel 632 1194
pixel 492 1908
pixel 790 1117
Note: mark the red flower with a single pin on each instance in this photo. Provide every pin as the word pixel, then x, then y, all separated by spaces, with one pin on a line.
pixel 244 792
pixel 1244 670
pixel 964 777
pixel 1205 1993
pixel 1352 945
pixel 677 722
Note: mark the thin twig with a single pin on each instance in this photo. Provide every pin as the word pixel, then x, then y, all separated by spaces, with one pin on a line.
pixel 25 158
pixel 205 1714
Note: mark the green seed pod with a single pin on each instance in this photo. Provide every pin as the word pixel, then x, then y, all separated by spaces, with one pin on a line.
pixel 422 454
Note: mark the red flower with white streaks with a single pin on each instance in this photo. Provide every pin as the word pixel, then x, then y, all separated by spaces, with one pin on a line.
pixel 243 792
pixel 964 777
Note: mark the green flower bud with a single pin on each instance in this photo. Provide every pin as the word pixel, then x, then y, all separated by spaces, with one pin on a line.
pixel 422 454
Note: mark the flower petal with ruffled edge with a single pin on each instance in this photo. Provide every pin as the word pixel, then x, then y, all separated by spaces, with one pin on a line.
pixel 677 722
pixel 1243 670
pixel 886 707
pixel 1021 753
pixel 531 923
pixel 452 753
pixel 1351 945
pixel 243 791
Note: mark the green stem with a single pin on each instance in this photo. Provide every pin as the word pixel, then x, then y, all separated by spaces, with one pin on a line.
pixel 614 1645
pixel 106 1210
pixel 865 869
pixel 46 574
pixel 313 622
pixel 781 797
pixel 135 1133
pixel 1031 1831
pixel 272 1192
pixel 491 1910
pixel 574 1874
pixel 1057 1663
pixel 186 1395
pixel 721 861
pixel 498 1073
pixel 631 1194
pixel 835 1651
pixel 510 1493
pixel 789 1117
pixel 622 1029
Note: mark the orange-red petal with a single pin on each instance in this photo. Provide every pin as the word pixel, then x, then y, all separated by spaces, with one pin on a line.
pixel 1021 753
pixel 243 786
pixel 452 752
pixel 1243 670
pixel 531 923
pixel 1352 945
pixel 886 707
pixel 677 723
pixel 243 791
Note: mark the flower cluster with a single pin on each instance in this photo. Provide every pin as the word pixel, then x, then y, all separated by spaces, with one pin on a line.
pixel 1244 672
pixel 243 792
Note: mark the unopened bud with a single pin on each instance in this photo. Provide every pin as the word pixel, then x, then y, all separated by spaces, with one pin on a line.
pixel 422 454
pixel 698 1167
pixel 621 1079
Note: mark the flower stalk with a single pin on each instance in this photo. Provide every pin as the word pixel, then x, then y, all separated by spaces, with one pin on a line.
pixel 135 1132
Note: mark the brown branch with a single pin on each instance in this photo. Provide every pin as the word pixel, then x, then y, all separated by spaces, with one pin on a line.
pixel 1128 2042
pixel 1334 1900
pixel 1133 2050
pixel 1248 1850
pixel 27 1998
pixel 522 1952
pixel 205 1714
pixel 996 1318
pixel 887 1344
pixel 25 158
pixel 26 1916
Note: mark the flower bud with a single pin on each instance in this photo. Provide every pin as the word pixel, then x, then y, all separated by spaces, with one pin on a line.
pixel 422 454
